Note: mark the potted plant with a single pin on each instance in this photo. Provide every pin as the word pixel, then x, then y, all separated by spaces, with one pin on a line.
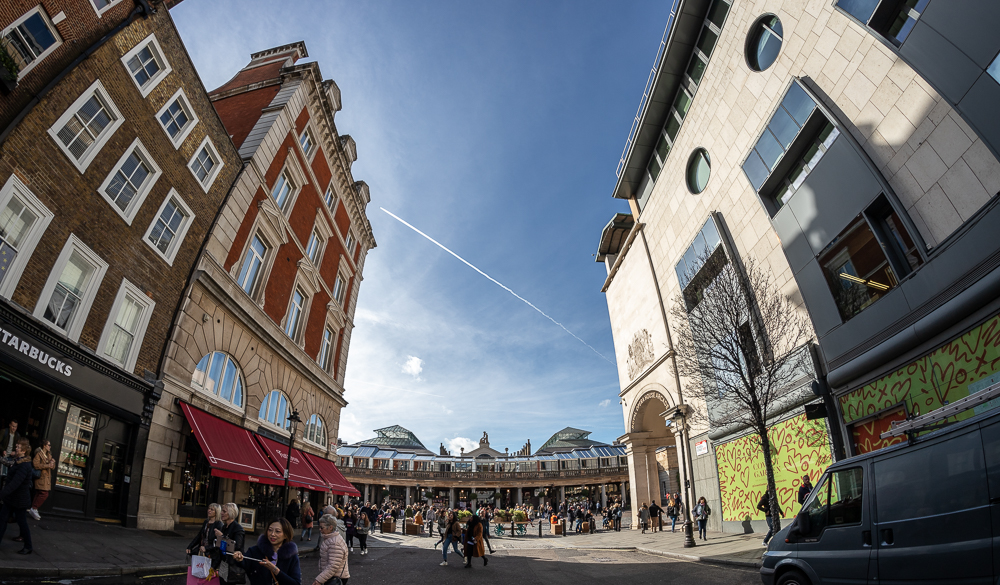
pixel 464 515
pixel 520 516
pixel 8 68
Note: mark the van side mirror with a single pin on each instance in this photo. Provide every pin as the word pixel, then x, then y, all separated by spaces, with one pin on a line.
pixel 799 526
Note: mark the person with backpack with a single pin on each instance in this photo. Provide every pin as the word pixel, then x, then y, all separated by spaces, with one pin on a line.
pixel 655 517
pixel 702 511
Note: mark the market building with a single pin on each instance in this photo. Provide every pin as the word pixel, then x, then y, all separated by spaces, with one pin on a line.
pixel 102 215
pixel 258 351
pixel 851 149
pixel 570 466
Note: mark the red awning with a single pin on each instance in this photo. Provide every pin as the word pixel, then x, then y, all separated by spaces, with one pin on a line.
pixel 230 449
pixel 329 472
pixel 301 474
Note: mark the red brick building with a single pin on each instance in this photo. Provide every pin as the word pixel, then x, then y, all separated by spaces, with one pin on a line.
pixel 113 167
pixel 266 324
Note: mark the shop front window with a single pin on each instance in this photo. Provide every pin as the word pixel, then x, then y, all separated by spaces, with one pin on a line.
pixel 78 436
pixel 195 480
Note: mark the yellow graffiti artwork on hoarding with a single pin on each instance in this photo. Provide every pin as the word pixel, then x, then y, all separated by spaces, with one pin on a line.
pixel 801 447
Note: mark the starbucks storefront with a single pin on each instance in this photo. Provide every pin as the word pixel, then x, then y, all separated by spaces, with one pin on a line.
pixel 94 414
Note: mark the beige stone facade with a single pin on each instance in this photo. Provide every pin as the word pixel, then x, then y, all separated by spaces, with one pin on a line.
pixel 941 172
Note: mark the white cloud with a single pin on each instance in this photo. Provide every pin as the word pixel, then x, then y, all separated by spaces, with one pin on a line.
pixel 604 403
pixel 413 366
pixel 455 445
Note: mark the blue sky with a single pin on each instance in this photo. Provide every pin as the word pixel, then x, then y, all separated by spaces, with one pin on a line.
pixel 494 127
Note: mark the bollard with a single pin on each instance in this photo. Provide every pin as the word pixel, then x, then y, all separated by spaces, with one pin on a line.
pixel 563 521
pixel 539 529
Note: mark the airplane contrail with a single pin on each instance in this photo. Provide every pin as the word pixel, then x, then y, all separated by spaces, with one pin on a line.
pixel 494 281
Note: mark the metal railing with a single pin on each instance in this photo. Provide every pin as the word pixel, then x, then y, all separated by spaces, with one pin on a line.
pixel 645 92
pixel 359 472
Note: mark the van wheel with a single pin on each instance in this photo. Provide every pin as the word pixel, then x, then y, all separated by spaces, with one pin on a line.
pixel 792 577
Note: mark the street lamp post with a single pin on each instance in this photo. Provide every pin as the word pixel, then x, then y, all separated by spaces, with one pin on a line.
pixel 679 418
pixel 292 418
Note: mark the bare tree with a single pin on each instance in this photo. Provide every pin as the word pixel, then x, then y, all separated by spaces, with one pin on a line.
pixel 744 348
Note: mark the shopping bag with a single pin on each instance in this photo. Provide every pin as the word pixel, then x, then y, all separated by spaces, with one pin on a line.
pixel 200 566
pixel 192 580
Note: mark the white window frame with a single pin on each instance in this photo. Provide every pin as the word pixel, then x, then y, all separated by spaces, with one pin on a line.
pixel 343 291
pixel 193 119
pixel 293 171
pixel 175 244
pixel 158 55
pixel 128 214
pixel 330 198
pixel 311 153
pixel 52 28
pixel 322 423
pixel 323 234
pixel 95 88
pixel 333 348
pixel 300 329
pixel 256 288
pixel 147 304
pixel 288 410
pixel 15 188
pixel 211 393
pixel 317 253
pixel 100 11
pixel 206 143
pixel 349 243
pixel 73 243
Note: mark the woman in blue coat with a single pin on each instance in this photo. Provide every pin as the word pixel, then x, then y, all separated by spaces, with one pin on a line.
pixel 274 558
pixel 16 493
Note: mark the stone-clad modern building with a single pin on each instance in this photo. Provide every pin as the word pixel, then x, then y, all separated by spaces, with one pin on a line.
pixel 850 147
pixel 265 325
pixel 113 165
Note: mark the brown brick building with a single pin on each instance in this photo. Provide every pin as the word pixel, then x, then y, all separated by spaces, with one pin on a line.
pixel 113 166
pixel 265 326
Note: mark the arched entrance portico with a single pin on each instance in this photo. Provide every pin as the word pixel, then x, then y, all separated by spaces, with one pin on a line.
pixel 649 432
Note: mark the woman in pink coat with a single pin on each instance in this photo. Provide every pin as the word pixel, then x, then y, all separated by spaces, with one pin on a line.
pixel 332 552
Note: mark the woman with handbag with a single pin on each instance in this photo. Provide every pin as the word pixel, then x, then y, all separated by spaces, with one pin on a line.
pixel 234 535
pixel 702 512
pixel 43 463
pixel 274 560
pixel 332 554
pixel 205 539
pixel 474 545
pixel 307 522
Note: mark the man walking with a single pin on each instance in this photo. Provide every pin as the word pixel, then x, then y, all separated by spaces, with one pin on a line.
pixel 655 517
pixel 764 505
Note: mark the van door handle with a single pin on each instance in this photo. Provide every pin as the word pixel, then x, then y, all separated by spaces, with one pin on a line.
pixel 866 537
pixel 886 535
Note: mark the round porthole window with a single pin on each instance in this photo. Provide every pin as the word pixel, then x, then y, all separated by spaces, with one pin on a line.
pixel 698 171
pixel 764 42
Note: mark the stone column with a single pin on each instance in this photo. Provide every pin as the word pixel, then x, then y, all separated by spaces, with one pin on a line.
pixel 520 494
pixel 654 477
pixel 562 494
pixel 604 496
pixel 451 498
pixel 407 495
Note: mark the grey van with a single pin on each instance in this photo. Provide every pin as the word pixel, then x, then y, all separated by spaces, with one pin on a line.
pixel 925 512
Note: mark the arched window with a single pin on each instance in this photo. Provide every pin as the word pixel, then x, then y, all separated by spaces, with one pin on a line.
pixel 315 432
pixel 219 374
pixel 274 409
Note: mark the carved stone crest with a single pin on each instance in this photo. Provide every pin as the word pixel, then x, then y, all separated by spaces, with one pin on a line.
pixel 640 353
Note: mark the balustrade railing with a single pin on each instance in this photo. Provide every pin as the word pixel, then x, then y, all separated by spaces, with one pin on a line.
pixel 357 472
